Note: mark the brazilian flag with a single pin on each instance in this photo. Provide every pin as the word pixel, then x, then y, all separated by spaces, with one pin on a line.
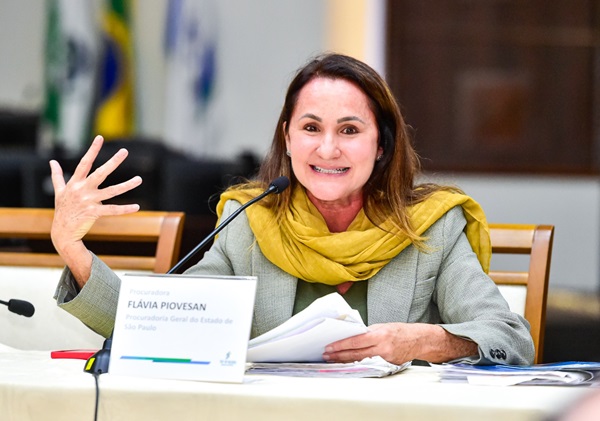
pixel 115 111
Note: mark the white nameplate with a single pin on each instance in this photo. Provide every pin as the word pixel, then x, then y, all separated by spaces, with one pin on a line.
pixel 183 327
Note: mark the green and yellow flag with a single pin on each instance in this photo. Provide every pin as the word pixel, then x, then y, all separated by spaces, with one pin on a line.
pixel 115 112
pixel 71 57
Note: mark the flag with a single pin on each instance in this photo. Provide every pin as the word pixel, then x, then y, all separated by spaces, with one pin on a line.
pixel 191 76
pixel 115 109
pixel 71 56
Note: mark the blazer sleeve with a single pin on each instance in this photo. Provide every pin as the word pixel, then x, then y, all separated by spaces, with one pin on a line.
pixel 96 303
pixel 472 307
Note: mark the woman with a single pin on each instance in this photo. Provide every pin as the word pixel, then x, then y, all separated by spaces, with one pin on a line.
pixel 411 258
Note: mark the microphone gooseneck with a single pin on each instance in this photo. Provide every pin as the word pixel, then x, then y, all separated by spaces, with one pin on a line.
pixel 98 363
pixel 20 307
pixel 277 186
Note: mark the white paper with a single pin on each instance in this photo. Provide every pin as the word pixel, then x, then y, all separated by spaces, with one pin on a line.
pixel 303 337
pixel 368 367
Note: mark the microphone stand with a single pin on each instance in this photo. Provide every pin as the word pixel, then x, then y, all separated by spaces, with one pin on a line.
pixel 195 250
pixel 98 363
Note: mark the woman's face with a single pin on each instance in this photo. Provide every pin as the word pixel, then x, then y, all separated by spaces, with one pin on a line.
pixel 332 137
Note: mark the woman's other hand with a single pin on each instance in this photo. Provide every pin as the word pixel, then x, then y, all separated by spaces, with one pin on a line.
pixel 78 204
pixel 398 343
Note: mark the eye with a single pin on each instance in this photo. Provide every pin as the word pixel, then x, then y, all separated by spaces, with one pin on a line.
pixel 310 128
pixel 349 130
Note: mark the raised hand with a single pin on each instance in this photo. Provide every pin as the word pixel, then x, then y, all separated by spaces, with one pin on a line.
pixel 78 204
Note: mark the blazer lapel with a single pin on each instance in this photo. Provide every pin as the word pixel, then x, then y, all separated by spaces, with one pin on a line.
pixel 275 294
pixel 391 291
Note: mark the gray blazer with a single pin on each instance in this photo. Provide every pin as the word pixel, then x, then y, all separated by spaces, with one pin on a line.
pixel 444 285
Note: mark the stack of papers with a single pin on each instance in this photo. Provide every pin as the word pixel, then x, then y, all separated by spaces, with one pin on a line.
pixel 295 348
pixel 304 336
pixel 369 367
pixel 571 373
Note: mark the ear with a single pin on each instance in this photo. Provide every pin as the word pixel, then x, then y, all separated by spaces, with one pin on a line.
pixel 286 135
pixel 386 140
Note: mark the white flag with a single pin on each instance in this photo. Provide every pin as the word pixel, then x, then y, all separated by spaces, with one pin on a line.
pixel 191 57
pixel 71 61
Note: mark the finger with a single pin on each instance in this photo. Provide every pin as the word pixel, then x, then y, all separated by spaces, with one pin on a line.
pixel 118 189
pixel 56 175
pixel 119 209
pixel 103 171
pixel 85 164
pixel 354 342
pixel 350 355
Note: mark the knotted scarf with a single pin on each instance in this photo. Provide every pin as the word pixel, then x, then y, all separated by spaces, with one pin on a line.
pixel 302 245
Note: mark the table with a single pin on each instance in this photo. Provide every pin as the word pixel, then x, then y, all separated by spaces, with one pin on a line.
pixel 50 327
pixel 35 387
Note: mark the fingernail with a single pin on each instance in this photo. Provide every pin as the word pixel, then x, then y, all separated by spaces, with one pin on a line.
pixel 328 349
pixel 326 357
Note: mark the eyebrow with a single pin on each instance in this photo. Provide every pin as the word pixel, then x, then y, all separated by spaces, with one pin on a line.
pixel 350 118
pixel 340 120
pixel 310 115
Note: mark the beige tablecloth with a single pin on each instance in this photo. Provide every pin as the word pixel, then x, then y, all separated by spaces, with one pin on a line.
pixel 35 387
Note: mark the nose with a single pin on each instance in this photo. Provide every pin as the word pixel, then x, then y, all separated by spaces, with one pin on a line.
pixel 329 147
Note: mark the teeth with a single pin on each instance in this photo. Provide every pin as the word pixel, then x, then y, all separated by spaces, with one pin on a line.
pixel 333 171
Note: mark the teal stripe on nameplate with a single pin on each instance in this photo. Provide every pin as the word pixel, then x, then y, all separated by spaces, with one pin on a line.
pixel 164 360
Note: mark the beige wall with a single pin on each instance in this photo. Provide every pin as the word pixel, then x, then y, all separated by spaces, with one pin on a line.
pixel 355 28
pixel 346 21
pixel 261 45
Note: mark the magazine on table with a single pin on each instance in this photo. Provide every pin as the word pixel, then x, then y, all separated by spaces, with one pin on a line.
pixel 567 373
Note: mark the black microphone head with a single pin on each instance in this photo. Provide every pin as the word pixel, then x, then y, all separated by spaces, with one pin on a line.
pixel 23 308
pixel 280 184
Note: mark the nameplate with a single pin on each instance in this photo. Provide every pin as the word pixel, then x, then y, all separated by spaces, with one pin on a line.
pixel 183 327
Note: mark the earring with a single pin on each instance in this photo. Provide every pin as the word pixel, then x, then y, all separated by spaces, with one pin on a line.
pixel 379 157
pixel 288 153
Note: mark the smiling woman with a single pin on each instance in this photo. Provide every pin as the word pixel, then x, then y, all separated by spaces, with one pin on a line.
pixel 333 143
pixel 411 258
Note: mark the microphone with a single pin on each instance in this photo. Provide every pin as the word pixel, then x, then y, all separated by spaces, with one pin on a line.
pixel 20 307
pixel 98 363
pixel 277 186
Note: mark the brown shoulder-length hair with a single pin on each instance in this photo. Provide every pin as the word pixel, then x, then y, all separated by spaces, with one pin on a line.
pixel 391 187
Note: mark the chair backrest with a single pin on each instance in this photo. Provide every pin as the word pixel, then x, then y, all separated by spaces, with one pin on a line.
pixel 535 241
pixel 160 229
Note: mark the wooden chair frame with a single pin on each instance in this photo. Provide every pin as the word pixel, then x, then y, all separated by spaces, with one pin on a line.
pixel 535 240
pixel 163 228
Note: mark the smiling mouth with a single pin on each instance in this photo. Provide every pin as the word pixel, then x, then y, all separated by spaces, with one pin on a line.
pixel 330 171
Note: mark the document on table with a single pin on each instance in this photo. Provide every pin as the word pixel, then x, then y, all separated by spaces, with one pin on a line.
pixel 369 367
pixel 569 373
pixel 304 336
pixel 295 348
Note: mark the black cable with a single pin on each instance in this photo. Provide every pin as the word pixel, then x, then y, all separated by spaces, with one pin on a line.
pixel 97 404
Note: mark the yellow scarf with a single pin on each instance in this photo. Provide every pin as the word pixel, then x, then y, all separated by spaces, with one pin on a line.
pixel 303 246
